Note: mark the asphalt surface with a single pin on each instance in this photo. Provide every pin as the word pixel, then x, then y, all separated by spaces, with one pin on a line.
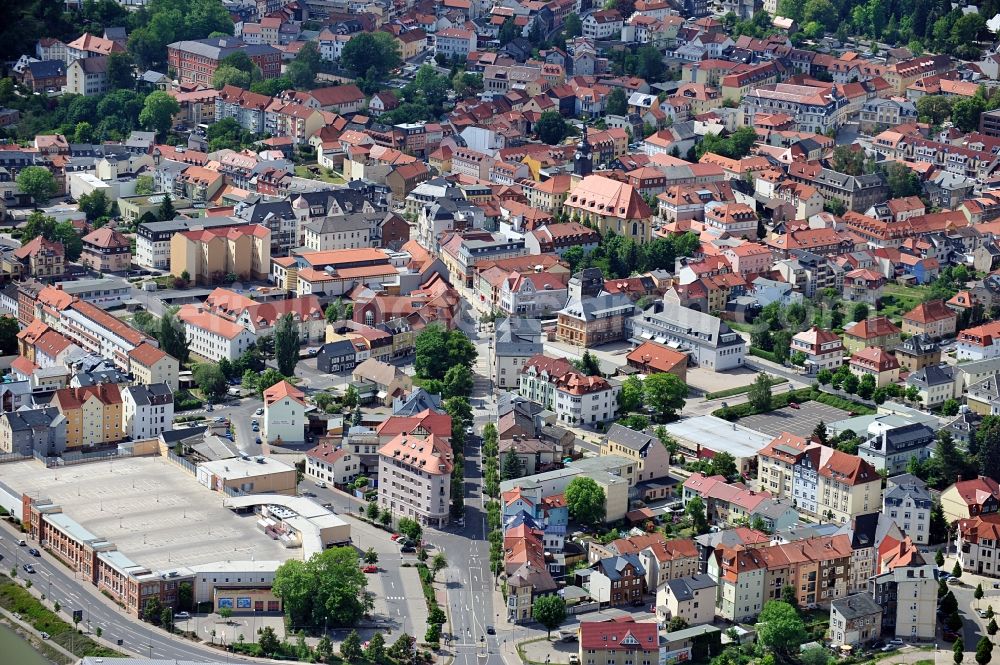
pixel 58 583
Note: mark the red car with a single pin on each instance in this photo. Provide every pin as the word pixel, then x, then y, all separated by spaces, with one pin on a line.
pixel 370 568
pixel 396 536
pixel 793 405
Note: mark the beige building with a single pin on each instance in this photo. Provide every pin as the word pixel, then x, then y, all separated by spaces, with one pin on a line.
pixel 93 415
pixel 875 362
pixel 149 365
pixel 970 498
pixel 209 255
pixel 415 478
pixel 106 250
pixel 651 458
pixel 690 598
pixel 855 620
pixel 824 483
pixel 621 642
pixel 250 475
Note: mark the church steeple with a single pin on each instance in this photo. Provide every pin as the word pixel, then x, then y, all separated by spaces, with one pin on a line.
pixel 583 161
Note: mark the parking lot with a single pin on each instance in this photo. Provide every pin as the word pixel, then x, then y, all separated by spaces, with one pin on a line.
pixel 801 421
pixel 153 511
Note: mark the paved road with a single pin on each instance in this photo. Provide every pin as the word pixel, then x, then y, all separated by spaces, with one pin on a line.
pixel 71 592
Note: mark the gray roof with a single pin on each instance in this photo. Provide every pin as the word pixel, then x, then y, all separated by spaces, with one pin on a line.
pixel 217 48
pixel 47 68
pixel 932 375
pixel 613 566
pixel 899 439
pixel 418 400
pixel 27 419
pixel 988 388
pixel 903 485
pixel 359 221
pixel 518 349
pixel 683 588
pixel 518 328
pixel 856 606
pixel 158 393
pixel 589 309
pixel 629 438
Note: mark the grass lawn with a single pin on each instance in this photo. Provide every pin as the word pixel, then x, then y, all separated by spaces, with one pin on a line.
pixel 305 171
pixel 902 299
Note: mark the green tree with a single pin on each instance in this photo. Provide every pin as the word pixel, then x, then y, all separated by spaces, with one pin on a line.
pixel 859 312
pixel 38 183
pixel 939 558
pixel 933 109
pixel 630 396
pixel 458 381
pixel 335 311
pixel 152 611
pixel 551 128
pixel 958 651
pixel 724 464
pixel 789 596
pixel 902 180
pixel 385 517
pixel 324 649
pixel 303 69
pixel 438 563
pixel 438 349
pixel 166 212
pixel 211 381
pixel 949 603
pixel 158 112
pixel 509 31
pixel 956 572
pixel 550 611
pixel 375 651
pixel 144 185
pixel 759 395
pixel 511 467
pixel 815 656
pixel 984 650
pixel 965 113
pixel 866 386
pixel 847 159
pixel 676 623
pixel 824 376
pixel 991 628
pixel 617 102
pixel 172 338
pixel 351 398
pixel 572 25
pixel 585 501
pixel 410 528
pixel 978 593
pixel 665 394
pixel 328 589
pixel 121 71
pixel 780 629
pixel 695 509
pixel 268 641
pixel 370 54
pixel 649 64
pixel 286 345
pixel 94 205
pixel 850 384
pixel 350 648
pixel 822 12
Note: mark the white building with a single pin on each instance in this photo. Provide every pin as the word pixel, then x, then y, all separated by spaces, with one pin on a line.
pixel 908 503
pixel 823 349
pixel 147 411
pixel 284 413
pixel 516 341
pixel 575 398
pixel 455 42
pixel 213 337
pixel 415 478
pixel 709 341
pixel 979 343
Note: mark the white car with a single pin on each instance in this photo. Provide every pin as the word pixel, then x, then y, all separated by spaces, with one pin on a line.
pixel 259 412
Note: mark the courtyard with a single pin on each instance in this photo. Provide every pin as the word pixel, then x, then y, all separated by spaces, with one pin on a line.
pixel 801 421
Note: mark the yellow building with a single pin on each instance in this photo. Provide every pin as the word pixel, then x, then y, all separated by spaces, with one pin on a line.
pixel 210 254
pixel 93 414
pixel 610 206
pixel 149 365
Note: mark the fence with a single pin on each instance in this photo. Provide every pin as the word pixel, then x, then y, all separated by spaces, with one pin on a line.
pixel 182 463
pixel 13 457
pixel 78 457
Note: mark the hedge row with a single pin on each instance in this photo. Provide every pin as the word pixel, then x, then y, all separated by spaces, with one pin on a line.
pixel 739 390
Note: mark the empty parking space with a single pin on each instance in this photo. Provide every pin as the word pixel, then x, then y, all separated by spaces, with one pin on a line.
pixel 801 421
pixel 154 512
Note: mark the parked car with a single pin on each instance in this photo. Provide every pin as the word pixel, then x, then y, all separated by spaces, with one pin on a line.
pixel 982 613
pixel 793 405
pixel 320 483
pixel 259 412
pixel 950 636
pixel 395 536
pixel 370 568
pixel 210 408
pixel 889 647
pixel 182 615
pixel 44 635
pixel 407 549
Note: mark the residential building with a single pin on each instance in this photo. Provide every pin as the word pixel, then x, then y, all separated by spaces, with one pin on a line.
pixel 93 415
pixel 863 285
pixel 690 598
pixel 41 258
pixel 873 361
pixel 932 318
pixel 620 641
pixel 983 397
pixel 970 498
pixel 709 342
pixel 979 342
pixel 609 205
pixel 650 456
pixel 936 384
pixel 877 331
pixel 284 414
pixel 106 250
pixel 336 465
pixel 31 431
pixel 917 352
pixel 855 621
pixel 388 380
pixel 415 478
pixel 906 588
pixel 148 364
pixel 209 254
pixel 213 337
pixel 195 61
pixel 337 356
pixel 824 482
pixel 575 398
pixel 617 581
pixel 891 449
pixel 823 349
pixel 979 545
pixel 908 503
pixel 351 231
pixel 516 341
pixel 815 109
pixel 148 410
pixel 652 358
pixel 668 560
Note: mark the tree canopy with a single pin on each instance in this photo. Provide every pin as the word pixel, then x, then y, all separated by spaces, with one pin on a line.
pixel 585 501
pixel 439 349
pixel 328 589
